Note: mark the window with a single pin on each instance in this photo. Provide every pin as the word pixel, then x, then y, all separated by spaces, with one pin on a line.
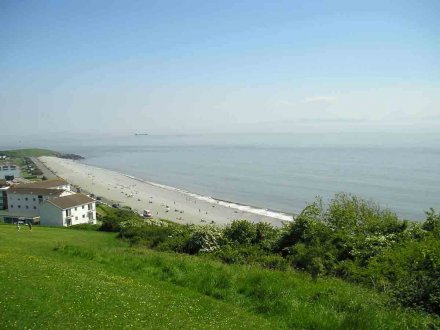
pixel 18 198
pixel 76 218
pixel 35 207
pixel 34 199
pixel 27 207
pixel 12 206
pixel 84 216
pixel 76 208
pixel 25 198
pixel 83 207
pixel 19 206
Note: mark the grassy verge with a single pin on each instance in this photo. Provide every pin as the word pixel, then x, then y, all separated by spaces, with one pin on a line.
pixel 34 152
pixel 54 278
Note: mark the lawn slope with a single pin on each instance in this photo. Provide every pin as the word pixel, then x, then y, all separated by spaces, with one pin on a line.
pixel 42 289
pixel 53 278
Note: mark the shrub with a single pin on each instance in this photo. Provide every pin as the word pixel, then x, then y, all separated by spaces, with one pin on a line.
pixel 85 226
pixel 113 219
pixel 432 222
pixel 206 238
pixel 411 272
pixel 241 232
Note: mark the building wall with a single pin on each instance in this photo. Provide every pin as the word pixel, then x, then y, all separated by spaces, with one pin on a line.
pixel 3 198
pixel 7 170
pixel 28 203
pixel 52 215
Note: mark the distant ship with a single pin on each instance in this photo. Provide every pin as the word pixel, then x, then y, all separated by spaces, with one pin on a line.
pixel 140 134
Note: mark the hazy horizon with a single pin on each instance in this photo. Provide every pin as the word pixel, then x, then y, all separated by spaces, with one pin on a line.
pixel 219 67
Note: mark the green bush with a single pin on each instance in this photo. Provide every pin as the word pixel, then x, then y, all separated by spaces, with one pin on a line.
pixel 241 232
pixel 113 219
pixel 350 238
pixel 206 238
pixel 85 226
pixel 411 273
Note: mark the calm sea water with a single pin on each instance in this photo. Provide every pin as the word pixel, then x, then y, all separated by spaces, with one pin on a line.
pixel 280 171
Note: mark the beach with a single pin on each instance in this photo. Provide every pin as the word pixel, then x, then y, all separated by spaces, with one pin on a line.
pixel 163 201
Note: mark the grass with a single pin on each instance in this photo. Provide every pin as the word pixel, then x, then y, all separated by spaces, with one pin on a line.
pixel 53 278
pixel 34 152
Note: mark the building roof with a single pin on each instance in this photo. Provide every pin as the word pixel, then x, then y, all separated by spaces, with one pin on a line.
pixel 69 201
pixel 35 191
pixel 47 184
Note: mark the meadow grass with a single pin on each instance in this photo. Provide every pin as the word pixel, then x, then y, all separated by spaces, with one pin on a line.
pixel 53 278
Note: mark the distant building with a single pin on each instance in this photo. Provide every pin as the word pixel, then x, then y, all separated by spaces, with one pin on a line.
pixel 59 184
pixel 28 197
pixel 29 200
pixel 49 203
pixel 68 210
pixel 8 171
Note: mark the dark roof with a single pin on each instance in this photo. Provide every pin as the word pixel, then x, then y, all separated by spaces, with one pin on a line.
pixel 43 184
pixel 70 201
pixel 35 191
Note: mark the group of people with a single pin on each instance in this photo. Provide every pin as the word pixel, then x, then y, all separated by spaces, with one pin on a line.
pixel 28 223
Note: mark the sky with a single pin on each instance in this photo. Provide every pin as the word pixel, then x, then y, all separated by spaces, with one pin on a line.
pixel 219 66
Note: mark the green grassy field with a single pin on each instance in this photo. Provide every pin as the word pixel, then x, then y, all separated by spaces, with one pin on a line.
pixel 21 153
pixel 59 278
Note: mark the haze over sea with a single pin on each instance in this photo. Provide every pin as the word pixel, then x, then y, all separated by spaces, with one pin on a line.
pixel 276 171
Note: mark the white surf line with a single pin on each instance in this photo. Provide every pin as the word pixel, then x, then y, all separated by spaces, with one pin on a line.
pixel 240 207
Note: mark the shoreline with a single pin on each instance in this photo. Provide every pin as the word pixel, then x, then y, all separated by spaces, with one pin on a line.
pixel 164 201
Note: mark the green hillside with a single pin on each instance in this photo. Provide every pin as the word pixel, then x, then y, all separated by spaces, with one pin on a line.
pixel 35 152
pixel 53 278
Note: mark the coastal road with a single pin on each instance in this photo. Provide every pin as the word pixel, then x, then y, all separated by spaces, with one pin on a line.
pixel 46 172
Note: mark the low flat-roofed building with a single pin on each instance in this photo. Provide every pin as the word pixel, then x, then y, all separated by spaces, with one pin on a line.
pixel 22 217
pixel 47 184
pixel 9 171
pixel 68 210
pixel 25 199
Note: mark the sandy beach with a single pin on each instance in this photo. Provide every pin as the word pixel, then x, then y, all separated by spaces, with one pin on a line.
pixel 163 201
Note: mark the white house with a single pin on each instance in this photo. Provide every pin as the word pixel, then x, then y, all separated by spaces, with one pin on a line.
pixel 68 210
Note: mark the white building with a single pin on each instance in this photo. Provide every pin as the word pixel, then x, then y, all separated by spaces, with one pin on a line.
pixel 68 210
pixel 58 184
pixel 29 200
pixel 28 197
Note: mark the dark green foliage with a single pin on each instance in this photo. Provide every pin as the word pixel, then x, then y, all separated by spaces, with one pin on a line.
pixel 113 218
pixel 250 255
pixel 411 271
pixel 432 222
pixel 356 240
pixel 241 232
pixel 349 238
pixel 85 226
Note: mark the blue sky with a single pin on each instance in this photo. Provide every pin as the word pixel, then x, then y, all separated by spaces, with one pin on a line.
pixel 219 66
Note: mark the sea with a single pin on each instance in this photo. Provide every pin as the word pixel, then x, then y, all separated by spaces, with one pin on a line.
pixel 279 172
